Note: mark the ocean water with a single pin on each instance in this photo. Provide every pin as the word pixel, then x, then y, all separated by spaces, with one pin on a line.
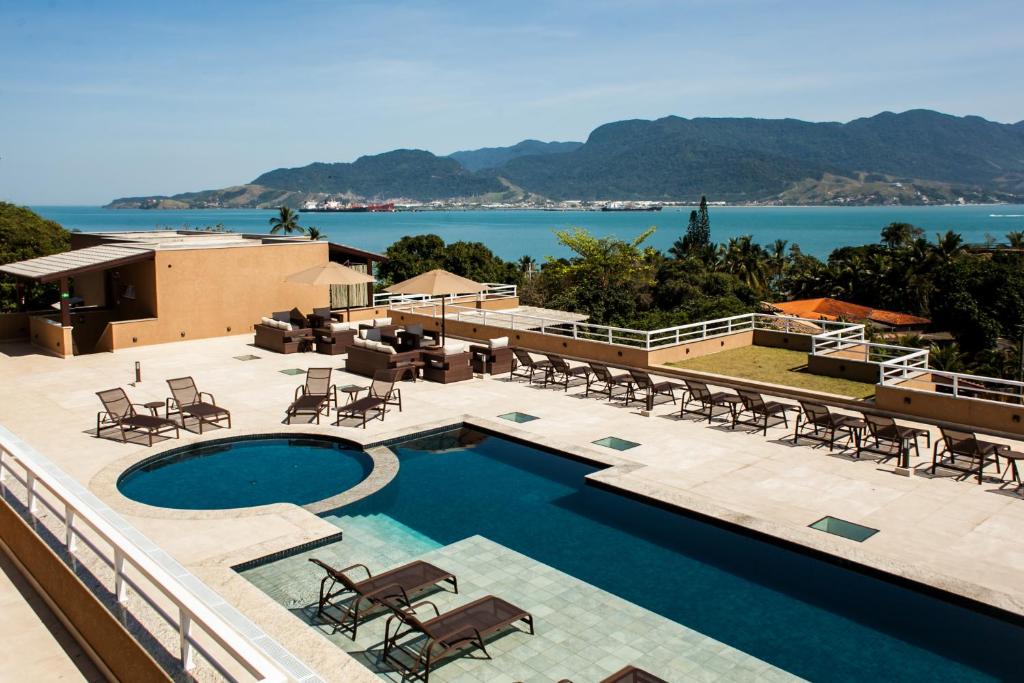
pixel 511 234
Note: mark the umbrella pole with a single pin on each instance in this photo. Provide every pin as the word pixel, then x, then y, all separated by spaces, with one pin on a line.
pixel 442 320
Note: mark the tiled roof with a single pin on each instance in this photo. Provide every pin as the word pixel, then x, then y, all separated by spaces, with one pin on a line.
pixel 68 263
pixel 833 309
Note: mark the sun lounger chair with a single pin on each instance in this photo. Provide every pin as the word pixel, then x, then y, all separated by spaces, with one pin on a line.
pixel 761 411
pixel 815 421
pixel 563 373
pixel 315 396
pixel 443 634
pixel 631 674
pixel 362 595
pixel 187 401
pixel 888 439
pixel 608 381
pixel 382 393
pixel 967 446
pixel 527 366
pixel 698 393
pixel 119 413
pixel 644 382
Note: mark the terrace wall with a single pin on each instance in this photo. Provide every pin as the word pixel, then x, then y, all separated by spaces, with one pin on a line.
pixel 985 415
pixel 14 326
pixel 843 368
pixel 783 340
pixel 704 347
pixel 51 336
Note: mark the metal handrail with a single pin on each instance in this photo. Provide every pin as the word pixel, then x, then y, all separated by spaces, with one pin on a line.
pixel 74 509
pixel 495 290
pixel 959 384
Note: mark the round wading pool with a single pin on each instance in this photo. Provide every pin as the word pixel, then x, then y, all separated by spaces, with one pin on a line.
pixel 244 472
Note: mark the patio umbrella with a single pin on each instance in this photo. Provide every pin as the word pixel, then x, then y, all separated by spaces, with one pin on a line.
pixel 437 283
pixel 331 273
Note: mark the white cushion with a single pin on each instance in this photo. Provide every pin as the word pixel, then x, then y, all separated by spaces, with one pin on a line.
pixel 456 348
pixel 339 327
pixel 362 333
pixel 267 321
pixel 386 348
pixel 281 325
pixel 381 322
pixel 359 341
pixel 497 342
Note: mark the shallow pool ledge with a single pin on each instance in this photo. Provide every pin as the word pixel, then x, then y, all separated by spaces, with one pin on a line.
pixel 385 467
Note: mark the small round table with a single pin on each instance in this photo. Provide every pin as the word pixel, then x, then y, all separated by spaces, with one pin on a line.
pixel 154 407
pixel 352 390
pixel 1011 458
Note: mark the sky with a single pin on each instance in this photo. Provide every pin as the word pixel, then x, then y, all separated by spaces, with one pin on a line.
pixel 108 99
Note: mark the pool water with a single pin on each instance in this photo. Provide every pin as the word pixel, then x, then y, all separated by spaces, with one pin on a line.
pixel 244 473
pixel 807 616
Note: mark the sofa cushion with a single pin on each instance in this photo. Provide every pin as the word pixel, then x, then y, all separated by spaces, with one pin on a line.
pixel 386 348
pixel 498 342
pixel 340 327
pixel 359 341
pixel 415 329
pixel 456 348
pixel 269 322
pixel 381 322
pixel 281 316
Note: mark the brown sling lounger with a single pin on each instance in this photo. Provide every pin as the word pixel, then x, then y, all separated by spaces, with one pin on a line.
pixel 315 396
pixel 363 595
pixel 119 413
pixel 187 401
pixel 440 636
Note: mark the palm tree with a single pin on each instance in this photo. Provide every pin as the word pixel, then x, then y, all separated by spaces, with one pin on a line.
pixel 527 265
pixel 746 260
pixel 314 233
pixel 286 221
pixel 947 246
pixel 1015 239
pixel 897 235
pixel 947 357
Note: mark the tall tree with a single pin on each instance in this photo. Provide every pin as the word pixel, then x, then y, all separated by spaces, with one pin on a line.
pixel 1015 238
pixel 286 221
pixel 684 246
pixel 702 234
pixel 896 235
pixel 25 234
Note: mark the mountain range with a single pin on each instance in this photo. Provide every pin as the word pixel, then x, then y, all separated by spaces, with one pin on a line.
pixel 914 157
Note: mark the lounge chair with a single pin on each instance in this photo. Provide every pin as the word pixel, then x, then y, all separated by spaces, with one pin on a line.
pixel 651 389
pixel 563 373
pixel 395 584
pixel 760 411
pixel 968 446
pixel 382 392
pixel 815 421
pixel 631 674
pixel 187 401
pixel 888 439
pixel 443 634
pixel 119 413
pixel 609 381
pixel 315 396
pixel 527 366
pixel 706 400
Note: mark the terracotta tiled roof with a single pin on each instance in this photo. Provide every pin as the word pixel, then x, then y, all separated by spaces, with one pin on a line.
pixel 833 309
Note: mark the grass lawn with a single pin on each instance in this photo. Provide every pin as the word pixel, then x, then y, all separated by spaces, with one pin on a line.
pixel 778 366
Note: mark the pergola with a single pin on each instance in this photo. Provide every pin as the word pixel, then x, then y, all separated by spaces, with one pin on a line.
pixel 64 266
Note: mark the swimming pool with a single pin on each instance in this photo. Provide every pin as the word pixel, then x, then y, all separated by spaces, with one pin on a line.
pixel 810 617
pixel 244 472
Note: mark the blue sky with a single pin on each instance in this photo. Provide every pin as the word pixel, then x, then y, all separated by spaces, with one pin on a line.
pixel 107 99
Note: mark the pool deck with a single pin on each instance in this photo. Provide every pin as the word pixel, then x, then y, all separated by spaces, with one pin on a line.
pixel 956 536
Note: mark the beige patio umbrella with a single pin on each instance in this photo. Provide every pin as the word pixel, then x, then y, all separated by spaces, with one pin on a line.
pixel 437 283
pixel 331 273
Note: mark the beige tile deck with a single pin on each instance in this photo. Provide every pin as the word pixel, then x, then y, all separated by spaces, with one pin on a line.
pixel 953 534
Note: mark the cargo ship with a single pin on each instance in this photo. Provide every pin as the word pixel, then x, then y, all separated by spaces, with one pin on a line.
pixel 630 206
pixel 332 206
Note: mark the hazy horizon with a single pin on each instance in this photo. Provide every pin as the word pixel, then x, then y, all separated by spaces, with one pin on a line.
pixel 119 99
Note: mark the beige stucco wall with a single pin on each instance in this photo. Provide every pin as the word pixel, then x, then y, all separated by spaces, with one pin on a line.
pixel 13 326
pixel 783 340
pixel 703 347
pixel 844 368
pixel 943 407
pixel 198 293
pixel 51 336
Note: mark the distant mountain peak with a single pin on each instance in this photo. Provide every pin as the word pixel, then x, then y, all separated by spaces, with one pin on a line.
pixel 496 157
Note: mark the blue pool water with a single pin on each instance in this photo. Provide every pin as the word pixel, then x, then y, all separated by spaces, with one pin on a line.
pixel 809 617
pixel 243 473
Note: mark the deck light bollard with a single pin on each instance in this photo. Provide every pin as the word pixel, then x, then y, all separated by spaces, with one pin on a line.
pixel 138 372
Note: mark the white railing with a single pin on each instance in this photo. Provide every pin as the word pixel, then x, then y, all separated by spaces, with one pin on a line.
pixel 495 290
pixel 956 384
pixel 86 521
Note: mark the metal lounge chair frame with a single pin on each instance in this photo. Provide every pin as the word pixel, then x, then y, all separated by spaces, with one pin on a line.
pixel 601 374
pixel 760 411
pixel 643 380
pixel 439 640
pixel 698 392
pixel 892 439
pixel 374 591
pixel 382 393
pixel 816 422
pixel 187 401
pixel 521 359
pixel 120 413
pixel 957 444
pixel 315 396
pixel 563 373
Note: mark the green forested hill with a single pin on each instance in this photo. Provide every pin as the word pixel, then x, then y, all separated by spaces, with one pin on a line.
pixel 917 156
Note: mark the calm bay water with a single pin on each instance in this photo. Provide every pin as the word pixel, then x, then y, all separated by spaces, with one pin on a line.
pixel 511 234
